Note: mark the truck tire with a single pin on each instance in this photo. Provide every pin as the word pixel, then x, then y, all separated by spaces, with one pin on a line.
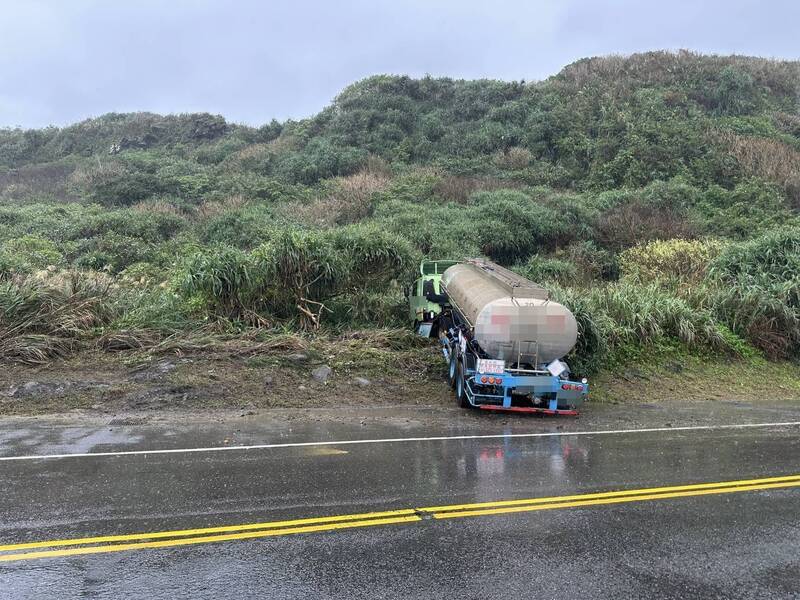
pixel 461 387
pixel 452 368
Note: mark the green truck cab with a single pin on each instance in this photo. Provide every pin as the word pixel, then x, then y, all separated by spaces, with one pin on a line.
pixel 421 308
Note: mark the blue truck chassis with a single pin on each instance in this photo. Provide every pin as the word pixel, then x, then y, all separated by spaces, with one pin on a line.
pixel 517 388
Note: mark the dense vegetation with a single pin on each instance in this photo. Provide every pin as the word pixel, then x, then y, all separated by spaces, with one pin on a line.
pixel 657 195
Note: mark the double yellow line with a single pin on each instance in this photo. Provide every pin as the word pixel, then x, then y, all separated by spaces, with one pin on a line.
pixel 185 537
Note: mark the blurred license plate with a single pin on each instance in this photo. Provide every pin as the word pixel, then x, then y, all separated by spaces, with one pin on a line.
pixel 495 367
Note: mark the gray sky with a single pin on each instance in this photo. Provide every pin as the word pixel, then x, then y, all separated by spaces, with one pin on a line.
pixel 65 60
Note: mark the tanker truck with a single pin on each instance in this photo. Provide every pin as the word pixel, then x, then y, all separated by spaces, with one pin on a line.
pixel 502 337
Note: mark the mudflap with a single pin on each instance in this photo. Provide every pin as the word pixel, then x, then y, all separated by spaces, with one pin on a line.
pixel 563 412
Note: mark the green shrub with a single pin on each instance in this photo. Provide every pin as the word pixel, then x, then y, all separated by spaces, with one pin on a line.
pixel 681 260
pixel 592 261
pixel 309 268
pixel 774 256
pixel 370 309
pixel 645 313
pixel 735 93
pixel 31 252
pixel 118 185
pixel 10 265
pixel 111 252
pixel 56 222
pixel 250 185
pixel 545 269
pixel 321 159
pixel 444 232
pixel 245 228
pixel 149 226
pixel 751 208
pixel 511 226
pixel 153 310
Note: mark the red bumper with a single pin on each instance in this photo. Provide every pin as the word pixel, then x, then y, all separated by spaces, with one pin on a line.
pixel 529 409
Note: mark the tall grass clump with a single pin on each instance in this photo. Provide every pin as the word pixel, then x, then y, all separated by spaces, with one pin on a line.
pixel 773 257
pixel 644 313
pixel 594 327
pixel 622 314
pixel 219 278
pixel 292 276
pixel 46 316
pixel 766 316
pixel 758 291
pixel 540 269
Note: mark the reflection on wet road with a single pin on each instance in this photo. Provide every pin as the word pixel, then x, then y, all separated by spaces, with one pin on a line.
pixel 582 506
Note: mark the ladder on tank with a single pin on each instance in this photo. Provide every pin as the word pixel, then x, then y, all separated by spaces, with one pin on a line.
pixel 520 354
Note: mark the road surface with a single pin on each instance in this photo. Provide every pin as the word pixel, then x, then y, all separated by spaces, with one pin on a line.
pixel 503 509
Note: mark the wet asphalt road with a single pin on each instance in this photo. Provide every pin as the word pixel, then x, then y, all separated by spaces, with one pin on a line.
pixel 740 545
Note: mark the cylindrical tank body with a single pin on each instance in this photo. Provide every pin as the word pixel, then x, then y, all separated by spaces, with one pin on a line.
pixel 510 315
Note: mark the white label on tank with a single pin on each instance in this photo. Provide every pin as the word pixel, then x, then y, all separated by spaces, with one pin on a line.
pixel 493 367
pixel 556 368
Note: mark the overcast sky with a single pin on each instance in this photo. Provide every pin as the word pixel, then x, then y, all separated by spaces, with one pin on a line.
pixel 64 60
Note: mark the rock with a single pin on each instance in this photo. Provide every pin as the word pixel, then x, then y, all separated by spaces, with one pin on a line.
pixel 164 366
pixel 268 380
pixel 322 373
pixel 297 358
pixel 674 367
pixel 362 381
pixel 634 373
pixel 51 389
pixel 162 396
pixel 29 388
pixel 155 372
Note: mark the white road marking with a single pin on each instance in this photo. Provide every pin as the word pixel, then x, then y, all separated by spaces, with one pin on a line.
pixel 397 440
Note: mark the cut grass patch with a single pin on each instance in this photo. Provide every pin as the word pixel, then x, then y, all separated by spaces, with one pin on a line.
pixel 699 378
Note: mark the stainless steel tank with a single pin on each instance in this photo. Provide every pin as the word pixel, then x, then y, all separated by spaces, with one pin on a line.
pixel 510 316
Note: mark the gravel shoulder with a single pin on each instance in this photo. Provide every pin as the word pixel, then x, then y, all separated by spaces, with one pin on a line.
pixel 98 388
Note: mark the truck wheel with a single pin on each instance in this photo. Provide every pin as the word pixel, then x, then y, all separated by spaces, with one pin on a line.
pixel 461 387
pixel 452 368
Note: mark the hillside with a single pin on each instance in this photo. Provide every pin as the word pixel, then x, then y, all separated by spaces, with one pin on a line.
pixel 657 195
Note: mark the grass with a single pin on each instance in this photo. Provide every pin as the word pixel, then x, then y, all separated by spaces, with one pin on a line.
pixel 697 378
pixel 46 318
